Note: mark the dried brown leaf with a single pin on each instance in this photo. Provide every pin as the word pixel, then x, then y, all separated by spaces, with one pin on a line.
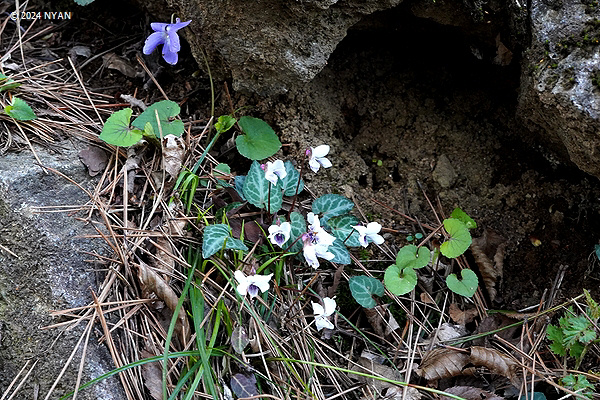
pixel 495 322
pixel 121 64
pixel 443 363
pixel 487 247
pixel 95 159
pixel 470 393
pixel 373 368
pixel 448 331
pixel 426 298
pixel 152 282
pixel 461 317
pixel 376 316
pixel 152 374
pixel 397 393
pixel 496 362
pixel 503 54
pixel 173 153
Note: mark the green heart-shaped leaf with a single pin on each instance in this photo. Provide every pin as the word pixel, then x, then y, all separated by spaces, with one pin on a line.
pixel 116 129
pixel 331 205
pixel 410 257
pixel 167 110
pixel 342 256
pixel 464 218
pixel 239 339
pixel 256 190
pixel 20 110
pixel 363 288
pixel 217 237
pixel 259 141
pixel 342 228
pixel 298 228
pixel 460 238
pixel 290 182
pixel 465 287
pixel 400 281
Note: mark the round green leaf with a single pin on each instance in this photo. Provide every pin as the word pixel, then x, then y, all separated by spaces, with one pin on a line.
pixel 116 129
pixel 167 110
pixel 259 141
pixel 460 238
pixel 464 218
pixel 20 110
pixel 409 257
pixel 400 281
pixel 465 287
pixel 363 288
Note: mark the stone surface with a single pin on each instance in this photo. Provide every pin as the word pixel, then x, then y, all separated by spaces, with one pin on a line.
pixel 49 273
pixel 444 173
pixel 270 46
pixel 558 96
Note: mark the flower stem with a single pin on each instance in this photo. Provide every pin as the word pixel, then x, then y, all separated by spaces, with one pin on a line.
pixel 297 187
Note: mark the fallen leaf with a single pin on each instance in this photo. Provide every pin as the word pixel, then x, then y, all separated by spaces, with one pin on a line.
pixel 487 247
pixel 376 317
pixel 496 322
pixel 448 331
pixel 397 393
pixel 470 393
pixel 152 374
pixel 497 363
pixel 371 367
pixel 82 51
pixel 462 317
pixel 244 385
pixel 121 64
pixel 95 159
pixel 151 282
pixel 426 298
pixel 443 363
pixel 503 54
pixel 173 153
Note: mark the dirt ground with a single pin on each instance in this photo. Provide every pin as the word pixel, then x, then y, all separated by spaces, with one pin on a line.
pixel 424 109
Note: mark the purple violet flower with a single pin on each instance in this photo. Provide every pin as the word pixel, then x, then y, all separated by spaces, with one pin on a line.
pixel 165 34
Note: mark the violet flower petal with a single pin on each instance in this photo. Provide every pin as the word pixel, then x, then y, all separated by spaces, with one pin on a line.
pixel 153 41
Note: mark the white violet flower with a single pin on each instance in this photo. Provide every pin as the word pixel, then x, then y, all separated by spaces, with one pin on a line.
pixel 279 234
pixel 316 242
pixel 275 170
pixel 369 233
pixel 322 314
pixel 252 284
pixel 317 157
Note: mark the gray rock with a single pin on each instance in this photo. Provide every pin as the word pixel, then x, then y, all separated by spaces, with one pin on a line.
pixel 558 96
pixel 49 273
pixel 269 46
pixel 444 173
